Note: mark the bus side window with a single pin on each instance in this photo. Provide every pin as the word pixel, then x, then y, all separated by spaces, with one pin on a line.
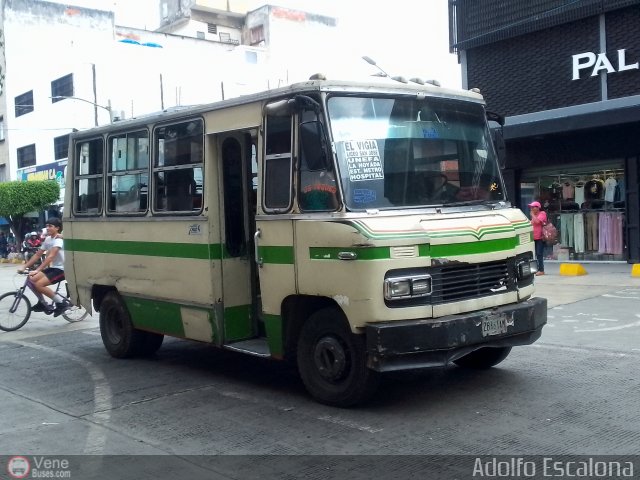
pixel 277 163
pixel 177 167
pixel 128 172
pixel 317 184
pixel 88 169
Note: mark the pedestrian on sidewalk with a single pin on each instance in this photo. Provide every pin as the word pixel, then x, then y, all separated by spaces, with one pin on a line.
pixel 538 220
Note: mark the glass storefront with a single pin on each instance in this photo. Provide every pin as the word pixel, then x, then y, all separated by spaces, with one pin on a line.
pixel 586 204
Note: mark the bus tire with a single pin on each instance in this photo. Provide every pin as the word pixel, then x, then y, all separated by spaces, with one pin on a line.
pixel 151 343
pixel 119 336
pixel 483 358
pixel 332 361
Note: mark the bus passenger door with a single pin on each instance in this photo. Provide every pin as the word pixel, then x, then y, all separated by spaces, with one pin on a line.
pixel 237 218
pixel 274 245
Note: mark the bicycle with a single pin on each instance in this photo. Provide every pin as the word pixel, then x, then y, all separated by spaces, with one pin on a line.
pixel 15 307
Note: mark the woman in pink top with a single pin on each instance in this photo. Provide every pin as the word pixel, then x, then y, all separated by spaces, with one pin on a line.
pixel 538 219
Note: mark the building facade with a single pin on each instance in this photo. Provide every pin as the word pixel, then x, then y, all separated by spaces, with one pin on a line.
pixel 566 75
pixel 65 67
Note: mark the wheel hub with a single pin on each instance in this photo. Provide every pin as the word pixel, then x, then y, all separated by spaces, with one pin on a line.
pixel 330 359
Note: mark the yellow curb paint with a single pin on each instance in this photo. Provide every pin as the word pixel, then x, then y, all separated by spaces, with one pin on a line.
pixel 572 269
pixel 635 270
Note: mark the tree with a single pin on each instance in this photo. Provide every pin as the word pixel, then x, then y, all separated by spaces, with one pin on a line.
pixel 19 198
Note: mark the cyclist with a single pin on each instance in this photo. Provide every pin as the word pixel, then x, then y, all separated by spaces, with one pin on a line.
pixel 50 271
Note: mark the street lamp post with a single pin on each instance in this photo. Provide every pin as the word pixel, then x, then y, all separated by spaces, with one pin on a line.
pixel 96 105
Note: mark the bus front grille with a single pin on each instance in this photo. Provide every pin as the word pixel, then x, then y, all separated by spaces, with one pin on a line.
pixel 468 281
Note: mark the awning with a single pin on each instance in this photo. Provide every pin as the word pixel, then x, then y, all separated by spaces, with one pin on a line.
pixel 574 118
pixel 3 221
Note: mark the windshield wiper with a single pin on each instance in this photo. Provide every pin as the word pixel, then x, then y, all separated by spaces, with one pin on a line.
pixel 469 202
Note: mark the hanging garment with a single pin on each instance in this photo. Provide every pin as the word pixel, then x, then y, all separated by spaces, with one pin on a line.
pixel 605 235
pixel 568 190
pixel 620 191
pixel 566 229
pixel 617 242
pixel 591 227
pixel 578 232
pixel 610 185
pixel 594 189
pixel 579 192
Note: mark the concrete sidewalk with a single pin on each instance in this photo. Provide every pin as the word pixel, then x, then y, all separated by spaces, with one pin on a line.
pixel 601 278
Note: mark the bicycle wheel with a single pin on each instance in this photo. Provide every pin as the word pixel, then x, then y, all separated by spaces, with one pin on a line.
pixel 21 306
pixel 75 314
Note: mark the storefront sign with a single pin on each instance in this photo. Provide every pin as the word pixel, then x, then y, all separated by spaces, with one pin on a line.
pixel 51 171
pixel 600 62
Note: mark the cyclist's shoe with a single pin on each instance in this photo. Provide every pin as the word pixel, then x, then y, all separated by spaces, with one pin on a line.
pixel 39 307
pixel 61 308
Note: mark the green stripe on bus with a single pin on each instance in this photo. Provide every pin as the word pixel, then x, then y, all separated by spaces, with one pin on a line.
pixel 237 323
pixel 152 249
pixel 163 317
pixel 276 254
pixel 424 250
pixel 468 248
pixel 275 339
pixel 363 253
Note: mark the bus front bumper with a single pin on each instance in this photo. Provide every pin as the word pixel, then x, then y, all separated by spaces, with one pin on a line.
pixel 435 342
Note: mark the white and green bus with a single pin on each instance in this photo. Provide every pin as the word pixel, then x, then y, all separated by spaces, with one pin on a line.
pixel 354 228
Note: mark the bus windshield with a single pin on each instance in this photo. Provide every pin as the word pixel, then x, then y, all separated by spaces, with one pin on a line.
pixel 410 152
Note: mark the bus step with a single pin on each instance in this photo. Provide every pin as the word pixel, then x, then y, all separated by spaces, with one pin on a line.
pixel 253 346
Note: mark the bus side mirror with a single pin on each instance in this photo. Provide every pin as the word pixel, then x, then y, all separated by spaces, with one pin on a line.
pixel 498 137
pixel 495 117
pixel 281 108
pixel 314 145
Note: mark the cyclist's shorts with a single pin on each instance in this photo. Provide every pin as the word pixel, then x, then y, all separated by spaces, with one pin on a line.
pixel 54 275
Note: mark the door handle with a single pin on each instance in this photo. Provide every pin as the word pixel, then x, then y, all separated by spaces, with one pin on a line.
pixel 256 239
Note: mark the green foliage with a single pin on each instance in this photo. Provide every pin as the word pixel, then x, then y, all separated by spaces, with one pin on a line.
pixel 18 198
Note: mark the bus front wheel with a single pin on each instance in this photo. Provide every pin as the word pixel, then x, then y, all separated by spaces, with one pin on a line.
pixel 119 336
pixel 332 360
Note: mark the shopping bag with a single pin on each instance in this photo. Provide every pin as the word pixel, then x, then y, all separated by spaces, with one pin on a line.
pixel 549 233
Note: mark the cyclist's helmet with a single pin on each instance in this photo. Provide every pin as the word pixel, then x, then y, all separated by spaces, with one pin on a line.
pixel 34 234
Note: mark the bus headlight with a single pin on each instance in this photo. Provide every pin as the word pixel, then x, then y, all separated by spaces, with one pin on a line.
pixel 526 269
pixel 396 288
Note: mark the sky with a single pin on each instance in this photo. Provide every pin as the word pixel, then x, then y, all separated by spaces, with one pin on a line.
pixel 407 37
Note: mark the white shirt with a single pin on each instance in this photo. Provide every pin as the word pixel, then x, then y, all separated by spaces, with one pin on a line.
pixel 58 260
pixel 610 189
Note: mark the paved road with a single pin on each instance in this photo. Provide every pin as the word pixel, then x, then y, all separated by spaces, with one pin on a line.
pixel 573 392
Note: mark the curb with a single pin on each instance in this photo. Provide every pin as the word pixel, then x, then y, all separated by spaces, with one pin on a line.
pixel 573 269
pixel 576 269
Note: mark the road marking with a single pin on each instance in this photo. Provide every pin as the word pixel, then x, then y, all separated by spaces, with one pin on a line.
pixel 610 329
pixel 102 397
pixel 606 319
pixel 608 295
pixel 589 351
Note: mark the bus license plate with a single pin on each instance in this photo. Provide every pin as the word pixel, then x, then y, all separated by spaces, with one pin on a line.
pixel 494 325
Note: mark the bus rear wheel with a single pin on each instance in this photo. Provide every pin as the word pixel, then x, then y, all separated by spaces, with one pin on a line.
pixel 332 361
pixel 119 336
pixel 483 358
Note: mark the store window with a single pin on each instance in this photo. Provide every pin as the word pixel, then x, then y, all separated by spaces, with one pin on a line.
pixel 587 206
